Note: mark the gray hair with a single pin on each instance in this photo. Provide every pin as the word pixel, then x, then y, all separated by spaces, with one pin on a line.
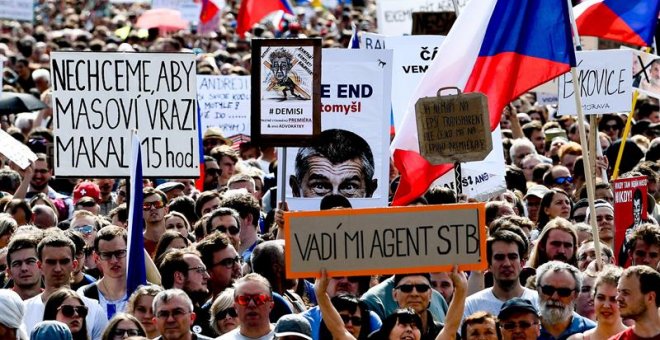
pixel 224 301
pixel 555 267
pixel 169 294
pixel 517 144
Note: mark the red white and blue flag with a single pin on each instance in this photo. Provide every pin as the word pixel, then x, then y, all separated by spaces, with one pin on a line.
pixel 210 8
pixel 253 11
pixel 627 21
pixel 501 48
pixel 136 271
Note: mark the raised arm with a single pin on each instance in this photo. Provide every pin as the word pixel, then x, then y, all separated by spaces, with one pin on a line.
pixel 456 307
pixel 329 314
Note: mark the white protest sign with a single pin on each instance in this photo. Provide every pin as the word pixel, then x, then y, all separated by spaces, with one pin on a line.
pixel 484 179
pixel 98 98
pixel 16 151
pixel 189 9
pixel 21 10
pixel 395 16
pixel 224 102
pixel 412 55
pixel 646 73
pixel 355 101
pixel 605 83
pixel 393 240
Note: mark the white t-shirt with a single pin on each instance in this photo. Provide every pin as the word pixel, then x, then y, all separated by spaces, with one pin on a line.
pixel 236 335
pixel 96 320
pixel 484 300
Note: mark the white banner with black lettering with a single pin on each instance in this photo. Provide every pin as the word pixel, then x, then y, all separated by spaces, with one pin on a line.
pixel 21 10
pixel 395 16
pixel 98 98
pixel 351 157
pixel 224 102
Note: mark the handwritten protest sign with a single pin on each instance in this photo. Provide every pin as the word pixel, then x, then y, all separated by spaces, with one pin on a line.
pixel 605 83
pixel 453 128
pixel 16 151
pixel 412 57
pixel 395 16
pixel 286 79
pixel 351 155
pixel 395 240
pixel 98 98
pixel 630 202
pixel 224 102
pixel 21 10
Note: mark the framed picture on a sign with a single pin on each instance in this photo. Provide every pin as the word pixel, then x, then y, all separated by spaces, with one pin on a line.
pixel 286 91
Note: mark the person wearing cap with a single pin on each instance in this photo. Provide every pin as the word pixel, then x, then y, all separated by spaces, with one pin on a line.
pixel 604 220
pixel 532 201
pixel 86 189
pixel 172 189
pixel 11 315
pixel 519 319
pixel 213 137
pixel 293 327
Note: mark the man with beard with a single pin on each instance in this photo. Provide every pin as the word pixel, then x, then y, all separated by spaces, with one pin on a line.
pixel 644 245
pixel 184 269
pixel 154 209
pixel 505 251
pixel 639 298
pixel 557 242
pixel 22 266
pixel 558 284
pixel 212 173
pixel 110 257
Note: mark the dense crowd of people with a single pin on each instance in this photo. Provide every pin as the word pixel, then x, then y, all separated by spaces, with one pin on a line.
pixel 214 255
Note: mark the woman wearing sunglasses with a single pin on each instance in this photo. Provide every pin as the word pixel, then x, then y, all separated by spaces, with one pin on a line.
pixel 122 326
pixel 555 203
pixel 354 314
pixel 66 306
pixel 224 317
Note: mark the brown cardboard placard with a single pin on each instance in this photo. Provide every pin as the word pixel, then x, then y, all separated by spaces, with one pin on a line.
pixel 432 23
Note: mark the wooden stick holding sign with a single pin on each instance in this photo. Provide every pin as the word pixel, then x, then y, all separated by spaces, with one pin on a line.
pixel 454 129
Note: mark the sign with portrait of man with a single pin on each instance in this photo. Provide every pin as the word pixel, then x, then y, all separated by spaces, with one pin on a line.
pixel 350 158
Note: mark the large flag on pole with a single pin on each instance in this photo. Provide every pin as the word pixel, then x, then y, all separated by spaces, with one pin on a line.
pixel 252 11
pixel 627 21
pixel 137 274
pixel 209 9
pixel 501 48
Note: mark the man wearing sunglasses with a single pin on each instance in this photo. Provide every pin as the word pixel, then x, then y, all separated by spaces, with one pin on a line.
pixel 227 222
pixel 212 174
pixel 414 291
pixel 519 320
pixel 174 316
pixel 56 261
pixel 87 224
pixel 253 301
pixel 250 212
pixel 558 285
pixel 559 177
pixel 154 209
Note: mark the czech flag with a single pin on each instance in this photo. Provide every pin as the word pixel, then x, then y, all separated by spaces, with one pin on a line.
pixel 137 273
pixel 252 11
pixel 199 182
pixel 628 21
pixel 501 48
pixel 209 10
pixel 355 39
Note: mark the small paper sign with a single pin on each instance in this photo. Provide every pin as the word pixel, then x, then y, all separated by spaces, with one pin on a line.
pixel 16 151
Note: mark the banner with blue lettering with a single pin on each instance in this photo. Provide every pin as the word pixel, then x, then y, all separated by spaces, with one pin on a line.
pixel 224 102
pixel 351 157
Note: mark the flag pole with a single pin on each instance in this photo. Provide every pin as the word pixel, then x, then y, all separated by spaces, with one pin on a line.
pixel 591 192
pixel 624 136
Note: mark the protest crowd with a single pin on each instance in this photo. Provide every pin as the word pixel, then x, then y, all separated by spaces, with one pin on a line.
pixel 214 249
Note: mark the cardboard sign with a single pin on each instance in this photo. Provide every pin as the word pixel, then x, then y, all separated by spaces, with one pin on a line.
pixel 395 16
pixel 395 240
pixel 646 73
pixel 605 83
pixel 453 128
pixel 286 83
pixel 224 102
pixel 16 151
pixel 21 10
pixel 412 57
pixel 98 98
pixel 432 23
pixel 354 143
pixel 630 202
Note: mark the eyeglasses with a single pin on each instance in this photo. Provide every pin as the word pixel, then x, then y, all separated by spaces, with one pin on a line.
pixel 229 262
pixel 565 179
pixel 355 320
pixel 118 254
pixel 69 311
pixel 199 270
pixel 523 325
pixel 84 229
pixel 176 313
pixel 510 256
pixel 562 292
pixel 420 288
pixel 155 205
pixel 223 314
pixel 258 299
pixel 232 230
pixel 121 333
pixel 579 218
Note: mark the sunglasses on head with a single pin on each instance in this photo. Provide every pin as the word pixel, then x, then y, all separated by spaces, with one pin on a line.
pixel 155 205
pixel 562 180
pixel 84 229
pixel 223 313
pixel 509 326
pixel 562 292
pixel 258 299
pixel 420 288
pixel 355 320
pixel 69 311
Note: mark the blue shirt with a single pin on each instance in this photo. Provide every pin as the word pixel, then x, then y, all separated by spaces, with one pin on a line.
pixel 579 324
